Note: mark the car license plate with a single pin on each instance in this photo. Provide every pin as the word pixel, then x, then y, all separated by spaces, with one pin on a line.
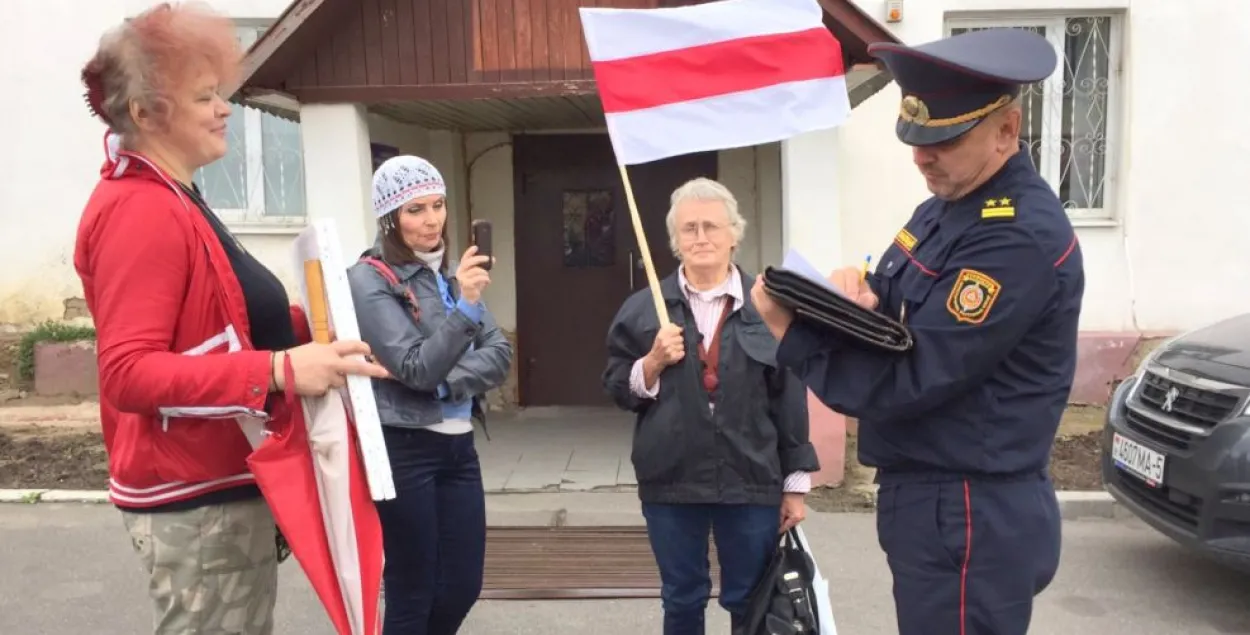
pixel 1138 459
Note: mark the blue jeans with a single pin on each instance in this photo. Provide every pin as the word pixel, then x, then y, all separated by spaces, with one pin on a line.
pixel 746 539
pixel 433 532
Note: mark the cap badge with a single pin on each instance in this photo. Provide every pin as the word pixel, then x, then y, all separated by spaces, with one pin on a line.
pixel 915 110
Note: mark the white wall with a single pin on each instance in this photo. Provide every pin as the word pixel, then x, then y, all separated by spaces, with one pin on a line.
pixel 54 147
pixel 1184 159
pixel 1173 258
pixel 491 196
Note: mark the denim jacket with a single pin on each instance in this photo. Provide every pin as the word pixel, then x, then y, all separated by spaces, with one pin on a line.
pixel 445 357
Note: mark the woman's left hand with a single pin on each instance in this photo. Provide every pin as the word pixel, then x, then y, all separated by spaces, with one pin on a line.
pixel 793 511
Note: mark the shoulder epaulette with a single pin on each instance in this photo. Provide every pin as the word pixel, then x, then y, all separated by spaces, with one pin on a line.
pixel 998 209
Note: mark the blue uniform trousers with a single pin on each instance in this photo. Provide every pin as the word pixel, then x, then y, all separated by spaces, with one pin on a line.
pixel 968 556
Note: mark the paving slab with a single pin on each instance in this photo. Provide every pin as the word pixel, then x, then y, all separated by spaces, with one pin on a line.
pixel 591 468
pixel 570 449
pixel 584 509
pixel 85 415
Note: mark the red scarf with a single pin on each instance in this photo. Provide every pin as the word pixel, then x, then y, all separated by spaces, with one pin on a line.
pixel 711 356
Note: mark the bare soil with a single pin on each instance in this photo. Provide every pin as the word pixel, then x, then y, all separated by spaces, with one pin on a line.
pixel 1074 465
pixel 1078 420
pixel 52 457
pixel 61 448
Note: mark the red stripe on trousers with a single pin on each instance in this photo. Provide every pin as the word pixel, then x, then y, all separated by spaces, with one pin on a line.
pixel 963 573
pixel 732 66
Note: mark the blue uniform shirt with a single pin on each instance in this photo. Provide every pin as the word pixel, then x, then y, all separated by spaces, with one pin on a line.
pixel 990 286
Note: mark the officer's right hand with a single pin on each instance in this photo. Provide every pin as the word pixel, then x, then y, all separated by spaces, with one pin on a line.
pixel 668 347
pixel 849 280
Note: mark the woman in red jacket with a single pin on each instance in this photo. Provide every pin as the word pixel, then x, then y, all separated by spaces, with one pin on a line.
pixel 195 336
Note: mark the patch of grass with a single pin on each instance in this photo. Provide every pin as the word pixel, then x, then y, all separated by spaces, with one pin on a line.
pixel 47 332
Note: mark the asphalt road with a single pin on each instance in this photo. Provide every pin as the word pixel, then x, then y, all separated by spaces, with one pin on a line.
pixel 68 569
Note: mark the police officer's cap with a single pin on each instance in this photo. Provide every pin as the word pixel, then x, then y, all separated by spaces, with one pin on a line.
pixel 951 85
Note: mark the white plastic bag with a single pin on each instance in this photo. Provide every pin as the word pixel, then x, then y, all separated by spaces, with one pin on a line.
pixel 820 589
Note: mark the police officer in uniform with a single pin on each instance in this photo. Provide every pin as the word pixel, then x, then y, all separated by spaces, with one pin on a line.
pixel 988 276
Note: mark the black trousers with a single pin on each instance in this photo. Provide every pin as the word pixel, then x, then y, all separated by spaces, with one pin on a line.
pixel 433 532
pixel 968 556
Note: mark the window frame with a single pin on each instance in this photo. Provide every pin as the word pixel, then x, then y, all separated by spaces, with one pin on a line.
pixel 1055 23
pixel 252 219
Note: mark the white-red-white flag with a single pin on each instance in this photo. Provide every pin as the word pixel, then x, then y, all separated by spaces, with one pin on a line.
pixel 714 76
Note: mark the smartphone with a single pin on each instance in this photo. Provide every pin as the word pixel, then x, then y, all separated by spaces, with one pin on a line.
pixel 481 238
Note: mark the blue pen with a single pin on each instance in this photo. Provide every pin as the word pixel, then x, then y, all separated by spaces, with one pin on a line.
pixel 867 260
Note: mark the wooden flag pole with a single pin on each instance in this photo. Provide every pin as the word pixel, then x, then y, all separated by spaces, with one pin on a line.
pixel 652 280
pixel 319 314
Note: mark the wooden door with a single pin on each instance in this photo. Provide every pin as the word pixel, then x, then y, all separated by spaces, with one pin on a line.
pixel 577 258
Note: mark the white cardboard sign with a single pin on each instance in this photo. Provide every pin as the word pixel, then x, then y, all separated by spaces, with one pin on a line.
pixel 320 241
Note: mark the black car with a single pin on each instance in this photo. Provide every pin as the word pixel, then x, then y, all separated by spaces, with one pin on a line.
pixel 1176 447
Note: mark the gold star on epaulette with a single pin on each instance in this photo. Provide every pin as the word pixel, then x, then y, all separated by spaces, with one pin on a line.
pixel 998 209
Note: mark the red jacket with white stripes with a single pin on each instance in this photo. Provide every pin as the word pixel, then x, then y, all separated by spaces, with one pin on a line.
pixel 182 391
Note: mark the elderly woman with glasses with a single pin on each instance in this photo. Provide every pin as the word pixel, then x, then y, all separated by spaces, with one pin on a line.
pixel 721 443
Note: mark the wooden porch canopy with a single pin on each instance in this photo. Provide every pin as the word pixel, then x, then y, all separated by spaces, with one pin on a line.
pixel 467 64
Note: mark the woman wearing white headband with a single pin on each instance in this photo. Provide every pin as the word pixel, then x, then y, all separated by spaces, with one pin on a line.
pixel 444 351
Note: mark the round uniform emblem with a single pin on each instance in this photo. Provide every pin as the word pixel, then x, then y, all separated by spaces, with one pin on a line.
pixel 971 298
pixel 915 109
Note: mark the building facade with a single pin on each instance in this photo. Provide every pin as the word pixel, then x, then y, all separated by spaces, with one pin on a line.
pixel 499 95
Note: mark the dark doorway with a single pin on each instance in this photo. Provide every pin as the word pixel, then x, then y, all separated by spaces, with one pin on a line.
pixel 577 258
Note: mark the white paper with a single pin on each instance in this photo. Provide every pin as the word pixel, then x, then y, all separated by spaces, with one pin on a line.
pixel 794 261
pixel 320 241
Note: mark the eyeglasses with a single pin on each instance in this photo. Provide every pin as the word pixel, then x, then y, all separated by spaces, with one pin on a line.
pixel 710 229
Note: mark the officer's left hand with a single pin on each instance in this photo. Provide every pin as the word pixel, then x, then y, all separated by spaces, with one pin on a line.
pixel 776 317
pixel 793 511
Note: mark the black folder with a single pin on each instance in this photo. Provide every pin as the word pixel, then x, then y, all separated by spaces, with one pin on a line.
pixel 819 305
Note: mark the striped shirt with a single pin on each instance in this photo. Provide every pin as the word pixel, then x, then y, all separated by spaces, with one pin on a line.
pixel 707 307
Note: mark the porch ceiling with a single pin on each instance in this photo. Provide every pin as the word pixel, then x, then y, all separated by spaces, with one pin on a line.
pixel 558 112
pixel 532 113
pixel 481 51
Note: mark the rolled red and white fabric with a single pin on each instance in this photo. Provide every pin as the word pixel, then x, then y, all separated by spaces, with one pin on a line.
pixel 714 76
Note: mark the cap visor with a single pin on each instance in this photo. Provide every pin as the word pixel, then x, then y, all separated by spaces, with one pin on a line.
pixel 917 135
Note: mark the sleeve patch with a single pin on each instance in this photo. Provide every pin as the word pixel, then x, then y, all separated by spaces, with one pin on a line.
pixel 972 296
pixel 906 240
